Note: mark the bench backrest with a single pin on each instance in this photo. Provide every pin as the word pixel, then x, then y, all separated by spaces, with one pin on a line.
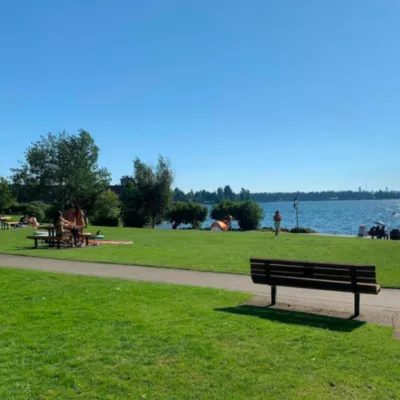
pixel 314 275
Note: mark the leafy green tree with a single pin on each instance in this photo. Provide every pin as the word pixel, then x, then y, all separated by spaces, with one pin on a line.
pixel 147 198
pixel 107 210
pixel 64 169
pixel 187 213
pixel 6 195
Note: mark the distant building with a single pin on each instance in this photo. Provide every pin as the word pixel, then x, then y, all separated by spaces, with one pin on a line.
pixel 359 189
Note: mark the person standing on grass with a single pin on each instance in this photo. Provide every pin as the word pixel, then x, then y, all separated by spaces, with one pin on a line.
pixel 277 222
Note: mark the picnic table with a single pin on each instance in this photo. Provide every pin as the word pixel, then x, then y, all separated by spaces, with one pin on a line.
pixel 4 221
pixel 53 239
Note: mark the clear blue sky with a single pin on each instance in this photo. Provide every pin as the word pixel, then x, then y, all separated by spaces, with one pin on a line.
pixel 268 95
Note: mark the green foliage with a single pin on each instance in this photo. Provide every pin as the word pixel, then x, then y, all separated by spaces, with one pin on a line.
pixel 132 210
pixel 63 168
pixel 187 213
pixel 37 209
pixel 221 210
pixel 6 195
pixel 53 210
pixel 248 214
pixel 18 208
pixel 302 230
pixel 147 197
pixel 107 210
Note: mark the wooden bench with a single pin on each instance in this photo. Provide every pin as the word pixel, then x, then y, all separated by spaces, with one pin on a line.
pixel 314 275
pixel 51 239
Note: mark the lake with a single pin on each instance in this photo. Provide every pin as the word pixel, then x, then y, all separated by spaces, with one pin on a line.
pixel 332 217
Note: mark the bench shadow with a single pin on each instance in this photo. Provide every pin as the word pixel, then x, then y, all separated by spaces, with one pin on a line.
pixel 295 318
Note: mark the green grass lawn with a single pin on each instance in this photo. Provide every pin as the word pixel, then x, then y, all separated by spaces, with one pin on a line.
pixel 70 337
pixel 218 251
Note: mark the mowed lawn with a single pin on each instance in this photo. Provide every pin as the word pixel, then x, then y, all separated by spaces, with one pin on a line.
pixel 70 337
pixel 218 251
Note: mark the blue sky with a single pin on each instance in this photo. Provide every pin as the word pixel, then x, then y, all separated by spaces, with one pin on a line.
pixel 266 95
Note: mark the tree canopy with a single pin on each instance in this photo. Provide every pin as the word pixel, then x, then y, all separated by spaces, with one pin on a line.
pixel 148 195
pixel 6 194
pixel 63 168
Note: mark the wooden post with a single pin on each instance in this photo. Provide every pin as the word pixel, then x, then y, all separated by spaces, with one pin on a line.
pixel 356 304
pixel 273 295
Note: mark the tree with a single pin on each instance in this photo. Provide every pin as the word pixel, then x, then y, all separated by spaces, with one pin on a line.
pixel 220 194
pixel 107 209
pixel 149 195
pixel 63 168
pixel 244 194
pixel 132 206
pixel 179 195
pixel 228 193
pixel 6 195
pixel 187 213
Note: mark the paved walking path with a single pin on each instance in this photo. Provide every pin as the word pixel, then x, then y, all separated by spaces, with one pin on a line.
pixel 382 308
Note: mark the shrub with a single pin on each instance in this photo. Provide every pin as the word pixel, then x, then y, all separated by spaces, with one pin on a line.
pixel 52 211
pixel 302 230
pixel 247 213
pixel 106 210
pixel 226 207
pixel 19 208
pixel 37 209
pixel 187 213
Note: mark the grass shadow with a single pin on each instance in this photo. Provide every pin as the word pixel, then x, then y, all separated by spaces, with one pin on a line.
pixel 295 318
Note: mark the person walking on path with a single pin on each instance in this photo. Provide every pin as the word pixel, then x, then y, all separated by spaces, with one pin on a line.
pixel 277 222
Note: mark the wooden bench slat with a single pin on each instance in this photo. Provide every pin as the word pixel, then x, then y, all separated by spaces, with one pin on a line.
pixel 326 271
pixel 332 278
pixel 309 263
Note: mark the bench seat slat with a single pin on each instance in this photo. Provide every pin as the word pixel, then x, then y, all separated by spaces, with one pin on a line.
pixel 324 285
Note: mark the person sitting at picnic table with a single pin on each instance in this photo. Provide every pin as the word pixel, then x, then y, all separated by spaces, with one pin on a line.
pixel 80 224
pixel 61 224
pixel 23 221
pixel 33 221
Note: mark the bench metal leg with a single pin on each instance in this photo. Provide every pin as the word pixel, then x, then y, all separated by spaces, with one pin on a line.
pixel 356 304
pixel 273 295
pixel 36 243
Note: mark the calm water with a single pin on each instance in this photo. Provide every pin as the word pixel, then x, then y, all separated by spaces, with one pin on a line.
pixel 339 217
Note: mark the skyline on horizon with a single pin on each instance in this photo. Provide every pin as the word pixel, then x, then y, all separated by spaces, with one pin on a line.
pixel 271 97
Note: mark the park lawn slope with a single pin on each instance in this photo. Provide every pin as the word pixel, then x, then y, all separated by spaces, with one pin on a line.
pixel 70 337
pixel 218 251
